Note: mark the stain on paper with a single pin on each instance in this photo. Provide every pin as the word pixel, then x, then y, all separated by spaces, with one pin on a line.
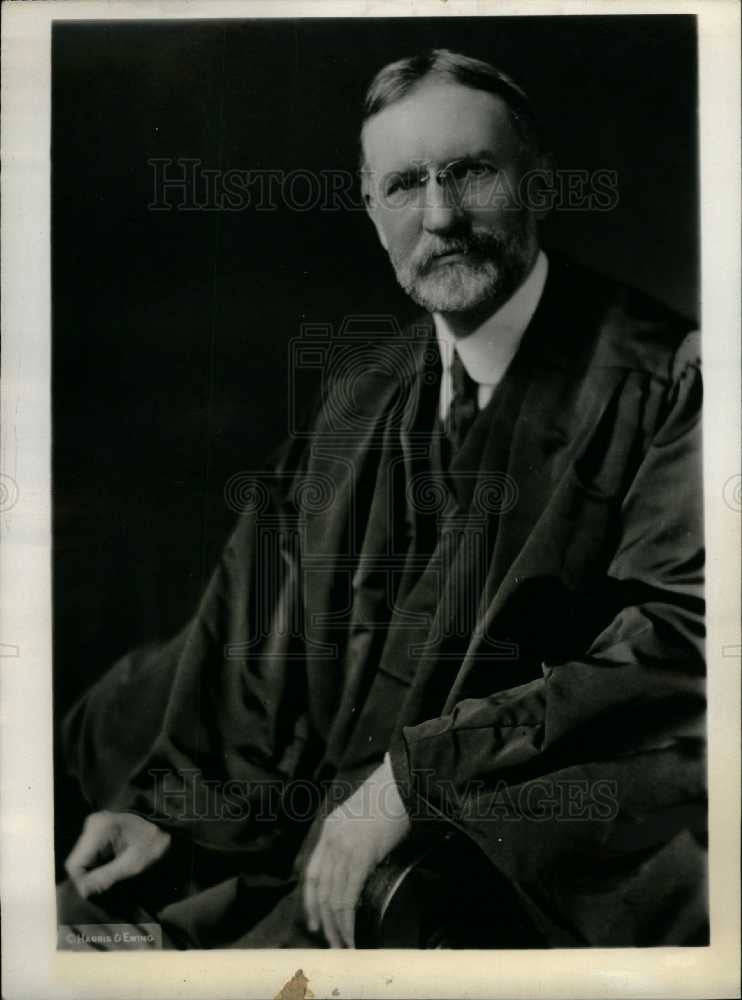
pixel 297 988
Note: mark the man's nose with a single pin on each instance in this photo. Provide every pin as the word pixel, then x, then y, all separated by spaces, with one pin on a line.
pixel 441 210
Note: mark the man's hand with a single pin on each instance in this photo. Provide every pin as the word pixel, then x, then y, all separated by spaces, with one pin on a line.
pixel 111 847
pixel 355 838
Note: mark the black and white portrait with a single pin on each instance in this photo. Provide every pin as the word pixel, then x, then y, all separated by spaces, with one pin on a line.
pixel 378 596
pixel 401 579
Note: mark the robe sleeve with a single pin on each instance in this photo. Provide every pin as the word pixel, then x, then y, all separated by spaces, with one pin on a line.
pixel 200 734
pixel 586 786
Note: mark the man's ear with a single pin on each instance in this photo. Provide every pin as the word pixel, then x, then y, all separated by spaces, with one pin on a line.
pixel 377 226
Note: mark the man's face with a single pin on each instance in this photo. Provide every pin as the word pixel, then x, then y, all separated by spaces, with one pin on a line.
pixel 458 243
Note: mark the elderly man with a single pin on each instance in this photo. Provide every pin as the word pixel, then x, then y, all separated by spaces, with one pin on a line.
pixel 468 598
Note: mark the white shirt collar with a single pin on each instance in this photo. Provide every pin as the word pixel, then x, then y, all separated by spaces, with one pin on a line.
pixel 487 352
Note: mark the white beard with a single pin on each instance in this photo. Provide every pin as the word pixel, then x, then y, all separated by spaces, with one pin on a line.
pixel 455 287
pixel 464 285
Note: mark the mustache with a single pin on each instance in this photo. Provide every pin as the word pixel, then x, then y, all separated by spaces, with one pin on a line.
pixel 478 243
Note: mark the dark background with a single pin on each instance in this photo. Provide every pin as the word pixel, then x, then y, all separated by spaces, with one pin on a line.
pixel 171 329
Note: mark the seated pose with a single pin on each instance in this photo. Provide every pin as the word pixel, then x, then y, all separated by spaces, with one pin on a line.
pixel 467 596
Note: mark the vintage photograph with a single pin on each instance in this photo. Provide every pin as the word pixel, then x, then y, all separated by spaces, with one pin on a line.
pixel 378 538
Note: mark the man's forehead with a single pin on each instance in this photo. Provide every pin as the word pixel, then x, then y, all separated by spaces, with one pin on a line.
pixel 436 123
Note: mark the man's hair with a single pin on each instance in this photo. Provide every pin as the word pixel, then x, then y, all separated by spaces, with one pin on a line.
pixel 398 79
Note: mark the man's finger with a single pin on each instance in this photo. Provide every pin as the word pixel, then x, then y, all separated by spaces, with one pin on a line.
pixel 130 862
pixel 311 902
pixel 330 893
pixel 96 835
pixel 353 888
pixel 339 896
pixel 323 891
pixel 332 934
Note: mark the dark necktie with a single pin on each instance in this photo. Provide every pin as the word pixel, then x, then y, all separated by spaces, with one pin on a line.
pixel 464 406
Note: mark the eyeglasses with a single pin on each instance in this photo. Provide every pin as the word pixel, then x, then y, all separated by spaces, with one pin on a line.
pixel 467 179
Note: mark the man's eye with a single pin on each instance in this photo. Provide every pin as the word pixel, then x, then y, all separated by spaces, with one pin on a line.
pixel 471 169
pixel 402 182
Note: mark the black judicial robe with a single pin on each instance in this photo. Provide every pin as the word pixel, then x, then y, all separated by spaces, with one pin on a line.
pixel 523 632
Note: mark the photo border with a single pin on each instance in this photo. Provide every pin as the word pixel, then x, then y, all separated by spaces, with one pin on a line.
pixel 31 965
